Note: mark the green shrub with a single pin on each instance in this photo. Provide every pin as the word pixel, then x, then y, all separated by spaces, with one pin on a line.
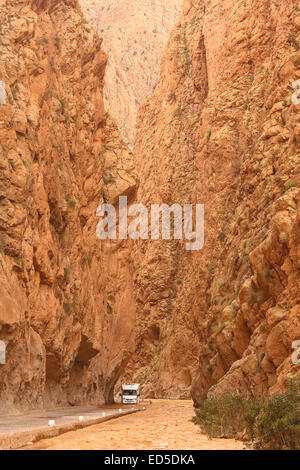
pixel 266 273
pixel 252 409
pixel 293 41
pixel 290 185
pixel 278 423
pixel 226 414
pixel 109 308
pixel 68 307
pixel 66 273
pixel 271 424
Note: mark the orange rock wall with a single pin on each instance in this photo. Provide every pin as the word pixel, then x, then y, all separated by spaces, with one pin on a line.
pixel 66 299
pixel 134 35
pixel 221 129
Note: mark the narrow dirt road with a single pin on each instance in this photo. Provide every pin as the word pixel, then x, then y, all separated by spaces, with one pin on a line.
pixel 166 424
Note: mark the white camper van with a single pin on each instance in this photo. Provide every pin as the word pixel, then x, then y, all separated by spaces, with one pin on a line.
pixel 130 394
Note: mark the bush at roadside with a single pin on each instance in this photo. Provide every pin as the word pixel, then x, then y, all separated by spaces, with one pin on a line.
pixel 271 424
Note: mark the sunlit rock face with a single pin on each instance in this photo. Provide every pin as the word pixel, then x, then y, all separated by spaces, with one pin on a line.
pixel 223 129
pixel 135 33
pixel 66 298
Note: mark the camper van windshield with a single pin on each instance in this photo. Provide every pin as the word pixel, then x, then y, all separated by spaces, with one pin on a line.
pixel 129 392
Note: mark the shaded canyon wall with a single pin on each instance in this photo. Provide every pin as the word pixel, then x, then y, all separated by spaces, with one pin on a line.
pixel 63 293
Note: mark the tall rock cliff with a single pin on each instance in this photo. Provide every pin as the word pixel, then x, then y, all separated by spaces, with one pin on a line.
pixel 66 299
pixel 135 33
pixel 222 130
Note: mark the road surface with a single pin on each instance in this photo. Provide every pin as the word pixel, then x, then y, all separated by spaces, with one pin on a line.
pixel 166 424
pixel 38 420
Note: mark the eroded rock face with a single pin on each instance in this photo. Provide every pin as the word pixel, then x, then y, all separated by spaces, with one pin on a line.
pixel 135 33
pixel 221 129
pixel 66 299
